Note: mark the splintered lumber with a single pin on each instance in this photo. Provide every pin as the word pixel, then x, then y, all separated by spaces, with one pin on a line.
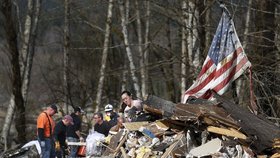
pixel 227 132
pixel 134 126
pixel 261 130
pixel 166 107
pixel 212 114
pixel 115 143
pixel 179 140
pixel 276 143
pixel 124 153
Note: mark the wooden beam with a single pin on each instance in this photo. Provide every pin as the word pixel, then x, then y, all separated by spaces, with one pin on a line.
pixel 227 132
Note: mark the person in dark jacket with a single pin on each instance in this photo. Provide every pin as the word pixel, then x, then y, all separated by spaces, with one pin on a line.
pixel 60 135
pixel 74 131
pixel 101 126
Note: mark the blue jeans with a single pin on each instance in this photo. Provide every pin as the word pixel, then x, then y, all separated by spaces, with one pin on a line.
pixel 48 150
pixel 73 148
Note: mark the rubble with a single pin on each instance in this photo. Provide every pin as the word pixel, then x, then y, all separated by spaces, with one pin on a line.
pixel 197 129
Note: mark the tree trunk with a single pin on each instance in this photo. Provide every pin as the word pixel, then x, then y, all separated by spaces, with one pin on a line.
pixel 16 77
pixel 26 37
pixel 240 83
pixel 184 49
pixel 8 122
pixel 66 54
pixel 140 49
pixel 29 59
pixel 146 50
pixel 193 50
pixel 128 50
pixel 104 55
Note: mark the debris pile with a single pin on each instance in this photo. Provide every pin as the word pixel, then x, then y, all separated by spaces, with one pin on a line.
pixel 197 129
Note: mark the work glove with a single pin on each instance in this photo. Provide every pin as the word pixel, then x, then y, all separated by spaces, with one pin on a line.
pixel 82 139
pixel 42 144
pixel 57 146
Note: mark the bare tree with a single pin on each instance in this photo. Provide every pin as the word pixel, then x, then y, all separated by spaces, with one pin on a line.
pixel 146 50
pixel 140 49
pixel 240 83
pixel 104 55
pixel 26 60
pixel 184 48
pixel 66 54
pixel 128 50
pixel 12 44
pixel 193 41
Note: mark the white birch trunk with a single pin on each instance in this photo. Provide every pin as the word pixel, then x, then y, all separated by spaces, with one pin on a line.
pixel 29 59
pixel 240 83
pixel 140 48
pixel 66 54
pixel 184 49
pixel 128 50
pixel 7 123
pixel 104 55
pixel 193 51
pixel 26 37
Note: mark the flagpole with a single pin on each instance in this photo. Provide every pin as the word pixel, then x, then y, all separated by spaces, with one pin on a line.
pixel 223 6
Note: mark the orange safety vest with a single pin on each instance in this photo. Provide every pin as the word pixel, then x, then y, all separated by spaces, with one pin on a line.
pixel 46 122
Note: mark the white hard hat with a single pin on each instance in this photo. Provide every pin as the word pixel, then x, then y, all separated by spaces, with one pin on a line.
pixel 108 107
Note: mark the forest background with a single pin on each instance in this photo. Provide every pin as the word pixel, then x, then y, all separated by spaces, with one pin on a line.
pixel 86 52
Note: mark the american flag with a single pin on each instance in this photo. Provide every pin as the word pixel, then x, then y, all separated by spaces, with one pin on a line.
pixel 225 62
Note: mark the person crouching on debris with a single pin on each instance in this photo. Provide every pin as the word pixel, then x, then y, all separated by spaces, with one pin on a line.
pixel 101 126
pixel 127 100
pixel 60 135
pixel 118 126
pixel 74 131
pixel 45 129
pixel 110 115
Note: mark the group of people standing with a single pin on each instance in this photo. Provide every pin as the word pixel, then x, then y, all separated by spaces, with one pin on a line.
pixel 52 136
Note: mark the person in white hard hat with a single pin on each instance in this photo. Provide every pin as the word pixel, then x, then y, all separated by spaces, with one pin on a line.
pixel 110 115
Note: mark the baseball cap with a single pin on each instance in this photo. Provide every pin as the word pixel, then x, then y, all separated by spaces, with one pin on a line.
pixel 78 109
pixel 69 118
pixel 108 107
pixel 54 107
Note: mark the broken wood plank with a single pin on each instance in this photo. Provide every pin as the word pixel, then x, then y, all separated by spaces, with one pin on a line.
pixel 120 145
pixel 134 126
pixel 114 143
pixel 124 153
pixel 179 140
pixel 227 132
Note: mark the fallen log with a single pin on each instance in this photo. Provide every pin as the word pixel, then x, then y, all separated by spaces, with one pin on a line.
pixel 260 129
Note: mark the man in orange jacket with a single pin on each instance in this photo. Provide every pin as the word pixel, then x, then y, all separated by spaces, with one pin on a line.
pixel 45 129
